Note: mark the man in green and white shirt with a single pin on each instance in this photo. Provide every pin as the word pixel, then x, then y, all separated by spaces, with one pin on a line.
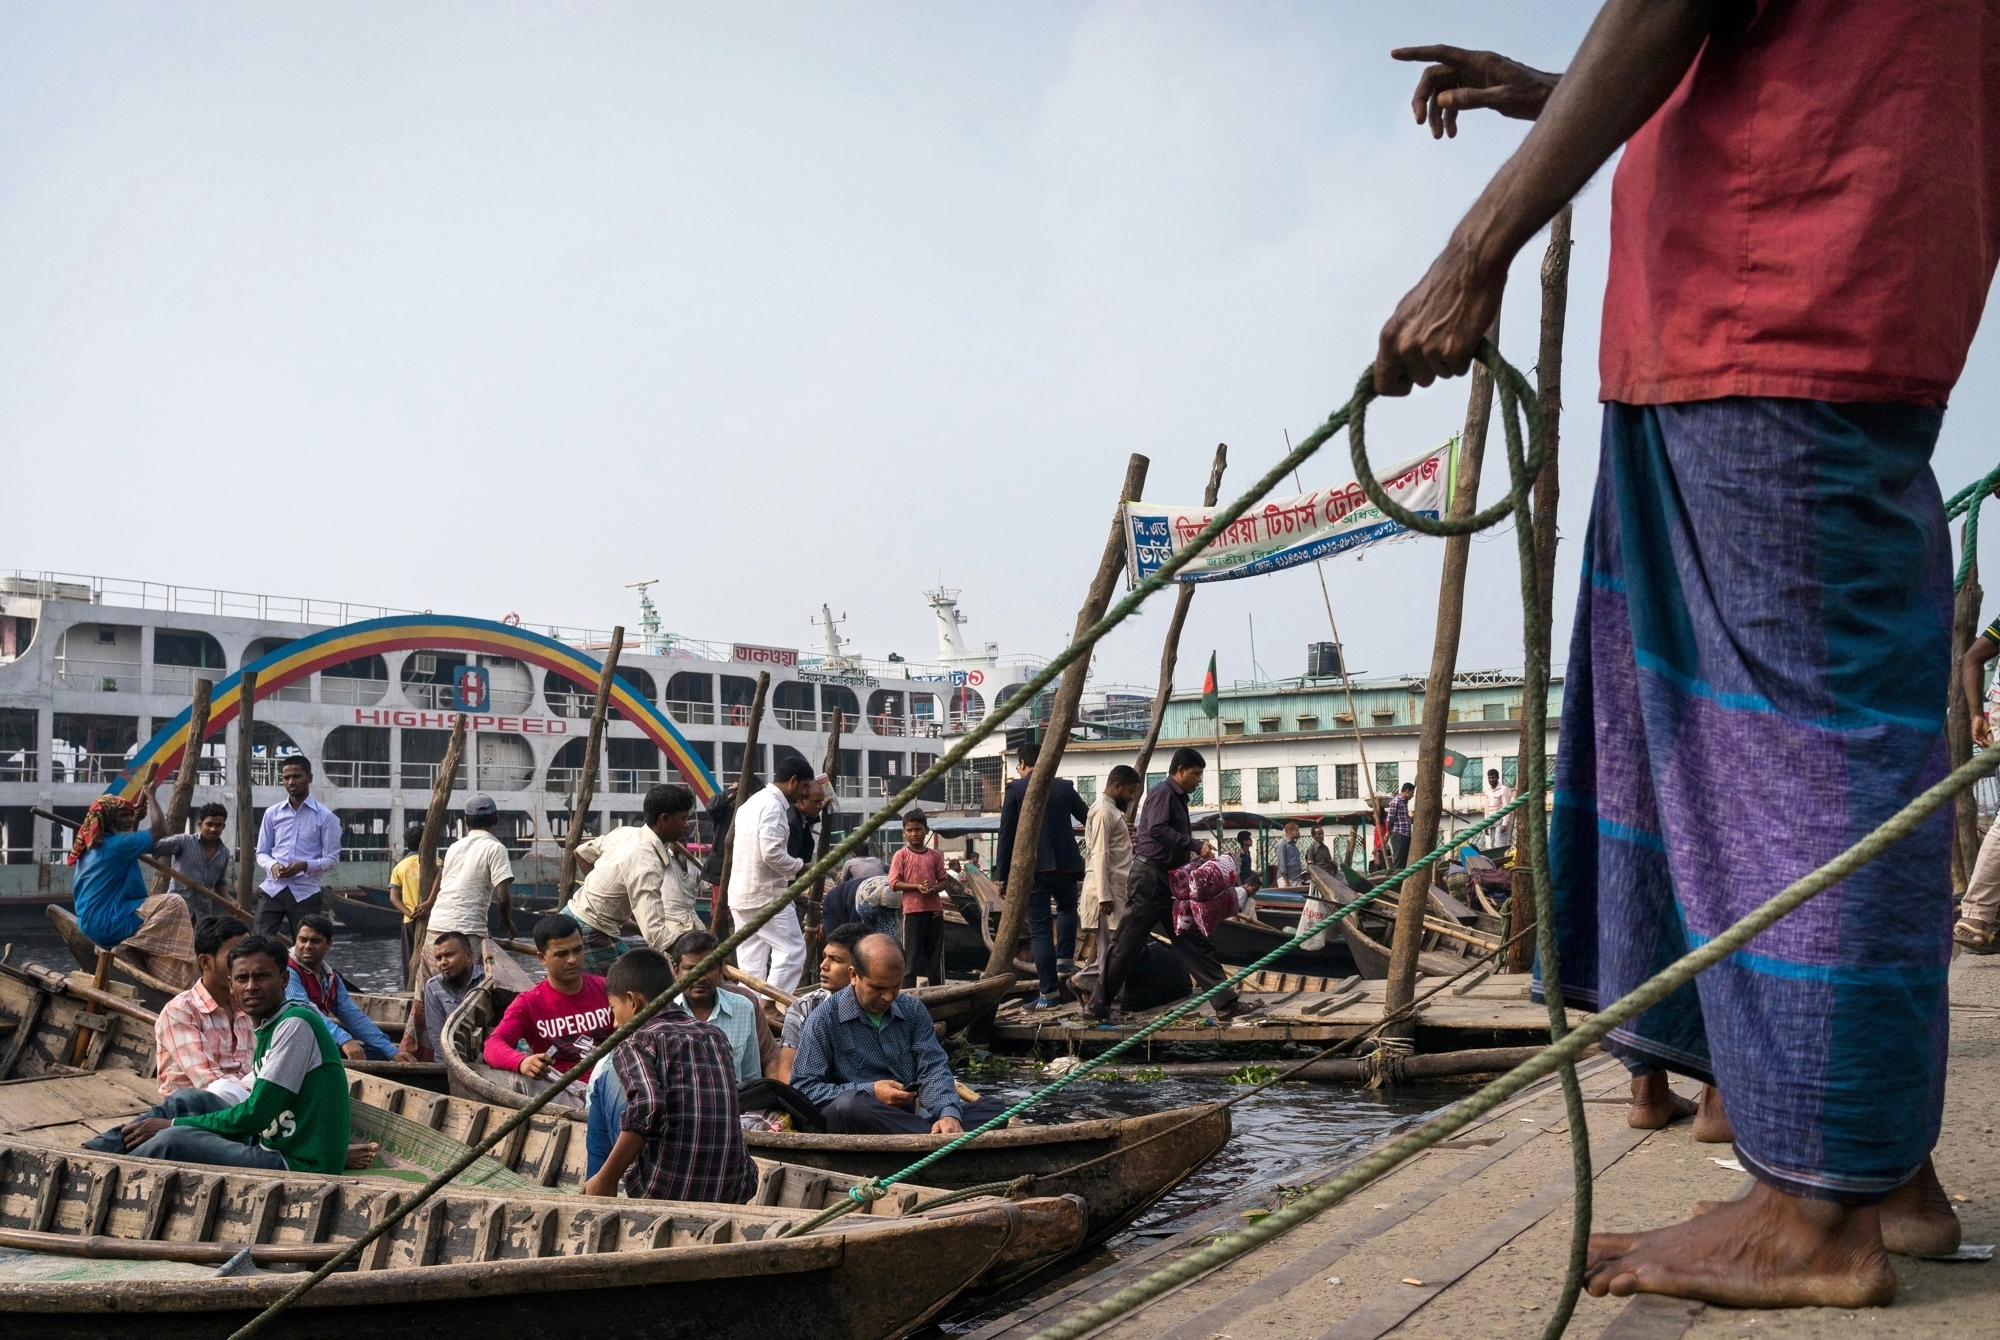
pixel 295 1117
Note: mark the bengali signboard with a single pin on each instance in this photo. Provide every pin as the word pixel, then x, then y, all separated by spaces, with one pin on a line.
pixel 784 658
pixel 1285 532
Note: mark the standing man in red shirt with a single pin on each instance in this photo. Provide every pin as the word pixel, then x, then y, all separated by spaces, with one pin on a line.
pixel 916 871
pixel 1804 227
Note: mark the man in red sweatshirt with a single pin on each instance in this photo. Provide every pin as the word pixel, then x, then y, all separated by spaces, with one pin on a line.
pixel 549 1028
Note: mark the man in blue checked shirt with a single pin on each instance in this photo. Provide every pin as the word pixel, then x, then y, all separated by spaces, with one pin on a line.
pixel 870 1058
pixel 298 843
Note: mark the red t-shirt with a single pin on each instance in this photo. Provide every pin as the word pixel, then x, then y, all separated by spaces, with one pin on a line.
pixel 1814 213
pixel 915 867
pixel 544 1017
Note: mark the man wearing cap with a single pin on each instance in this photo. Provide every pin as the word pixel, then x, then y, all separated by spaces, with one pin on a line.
pixel 476 873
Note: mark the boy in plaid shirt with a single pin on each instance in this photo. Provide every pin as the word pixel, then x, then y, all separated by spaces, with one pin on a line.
pixel 678 1136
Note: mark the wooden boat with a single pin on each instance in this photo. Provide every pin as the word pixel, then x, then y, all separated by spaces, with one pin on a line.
pixel 1371 956
pixel 470 1261
pixel 1132 1161
pixel 1244 940
pixel 362 914
pixel 49 1109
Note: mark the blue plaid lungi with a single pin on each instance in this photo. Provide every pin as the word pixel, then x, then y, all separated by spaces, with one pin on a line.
pixel 1756 680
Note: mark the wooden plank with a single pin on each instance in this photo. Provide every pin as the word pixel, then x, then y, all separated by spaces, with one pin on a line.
pixel 270 1199
pixel 376 1255
pixel 1652 1316
pixel 1393 1307
pixel 206 1202
pixel 22 1035
pixel 319 1214
pixel 552 1160
pixel 492 1229
pixel 103 1190
pixel 54 1169
pixel 165 1191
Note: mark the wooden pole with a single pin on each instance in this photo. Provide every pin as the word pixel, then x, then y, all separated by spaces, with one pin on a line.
pixel 246 810
pixel 719 921
pixel 1424 815
pixel 183 795
pixel 585 789
pixel 818 895
pixel 1069 697
pixel 1170 650
pixel 1958 727
pixel 427 863
pixel 1548 389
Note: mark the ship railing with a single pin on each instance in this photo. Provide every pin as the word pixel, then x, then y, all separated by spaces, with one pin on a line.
pixel 572 704
pixel 20 766
pixel 505 776
pixel 735 714
pixel 357 772
pixel 634 781
pixel 794 718
pixel 179 679
pixel 133 594
pixel 435 697
pixel 98 676
pixel 423 776
pixel 562 781
pixel 847 788
pixel 364 855
pixel 344 692
pixel 884 724
pixel 881 788
pixel 80 768
pixel 959 724
pixel 691 714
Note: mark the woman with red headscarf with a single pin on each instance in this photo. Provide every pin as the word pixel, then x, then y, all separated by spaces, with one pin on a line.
pixel 113 906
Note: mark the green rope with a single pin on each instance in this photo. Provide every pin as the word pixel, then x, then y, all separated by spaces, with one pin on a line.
pixel 1079 648
pixel 1563 1053
pixel 1967 501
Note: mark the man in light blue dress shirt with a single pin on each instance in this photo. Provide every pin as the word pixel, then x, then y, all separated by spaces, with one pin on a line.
pixel 298 843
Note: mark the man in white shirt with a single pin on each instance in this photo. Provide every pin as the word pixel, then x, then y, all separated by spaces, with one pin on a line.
pixel 1498 797
pixel 760 868
pixel 476 873
pixel 1107 863
pixel 297 844
pixel 640 873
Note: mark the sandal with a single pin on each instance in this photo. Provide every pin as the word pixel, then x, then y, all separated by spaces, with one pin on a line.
pixel 1975 937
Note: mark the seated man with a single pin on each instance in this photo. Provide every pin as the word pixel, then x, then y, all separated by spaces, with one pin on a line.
pixel 296 1116
pixel 672 1089
pixel 443 993
pixel 871 1059
pixel 312 981
pixel 836 970
pixel 736 1012
pixel 203 1038
pixel 548 1029
pixel 113 905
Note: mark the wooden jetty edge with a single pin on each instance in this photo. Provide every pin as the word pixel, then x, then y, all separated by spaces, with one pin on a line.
pixel 1470 1238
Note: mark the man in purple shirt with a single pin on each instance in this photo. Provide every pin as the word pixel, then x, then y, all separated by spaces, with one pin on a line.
pixel 1164 841
pixel 298 842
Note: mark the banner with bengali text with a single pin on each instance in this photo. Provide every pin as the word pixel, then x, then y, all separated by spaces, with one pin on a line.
pixel 1285 532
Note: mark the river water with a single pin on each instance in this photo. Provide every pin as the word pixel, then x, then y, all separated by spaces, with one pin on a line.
pixel 1279 1133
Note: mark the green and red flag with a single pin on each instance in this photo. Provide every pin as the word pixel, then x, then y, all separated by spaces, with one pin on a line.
pixel 1211 702
pixel 1454 762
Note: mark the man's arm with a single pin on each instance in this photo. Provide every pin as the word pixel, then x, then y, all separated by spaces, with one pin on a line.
pixel 328 855
pixel 935 1082
pixel 267 831
pixel 812 1068
pixel 1077 809
pixel 359 1026
pixel 295 989
pixel 502 1050
pixel 1156 824
pixel 623 1155
pixel 1010 819
pixel 774 840
pixel 1632 58
pixel 1972 678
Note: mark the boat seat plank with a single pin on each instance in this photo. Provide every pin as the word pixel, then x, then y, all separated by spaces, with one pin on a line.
pixel 24 1032
pixel 71 1099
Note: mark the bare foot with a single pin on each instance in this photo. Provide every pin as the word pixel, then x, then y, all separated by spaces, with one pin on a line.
pixel 1917 1219
pixel 1766 1250
pixel 1711 1123
pixel 1654 1105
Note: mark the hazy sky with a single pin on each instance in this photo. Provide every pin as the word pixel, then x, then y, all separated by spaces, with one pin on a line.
pixel 494 308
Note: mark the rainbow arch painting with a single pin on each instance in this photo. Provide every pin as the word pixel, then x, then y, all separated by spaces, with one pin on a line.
pixel 295 660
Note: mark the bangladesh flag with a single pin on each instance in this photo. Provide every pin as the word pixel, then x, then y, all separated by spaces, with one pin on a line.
pixel 1211 702
pixel 1454 762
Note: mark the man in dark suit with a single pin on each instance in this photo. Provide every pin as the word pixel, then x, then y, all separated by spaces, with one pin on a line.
pixel 1058 872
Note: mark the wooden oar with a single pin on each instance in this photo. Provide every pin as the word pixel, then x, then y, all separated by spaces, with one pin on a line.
pixel 163 867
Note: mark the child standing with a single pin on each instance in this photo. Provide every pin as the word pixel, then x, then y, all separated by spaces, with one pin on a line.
pixel 917 872
pixel 669 1096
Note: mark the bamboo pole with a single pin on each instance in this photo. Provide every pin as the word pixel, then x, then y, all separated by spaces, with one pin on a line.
pixel 1958 719
pixel 1069 696
pixel 183 794
pixel 427 864
pixel 246 810
pixel 719 920
pixel 1548 389
pixel 585 788
pixel 1170 649
pixel 1424 815
pixel 818 895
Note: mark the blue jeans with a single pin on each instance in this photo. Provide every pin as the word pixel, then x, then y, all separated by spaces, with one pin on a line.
pixel 1052 925
pixel 189 1144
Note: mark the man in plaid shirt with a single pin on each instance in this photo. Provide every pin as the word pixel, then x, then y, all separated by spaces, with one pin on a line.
pixel 1398 819
pixel 201 1036
pixel 678 1137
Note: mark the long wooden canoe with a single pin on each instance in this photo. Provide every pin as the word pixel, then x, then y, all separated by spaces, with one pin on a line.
pixel 52 1105
pixel 1132 1161
pixel 468 1262
pixel 1371 956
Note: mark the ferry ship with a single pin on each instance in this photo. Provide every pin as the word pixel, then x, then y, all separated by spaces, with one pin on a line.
pixel 95 671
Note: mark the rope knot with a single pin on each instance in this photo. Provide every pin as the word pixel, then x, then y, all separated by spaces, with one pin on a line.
pixel 1386 1062
pixel 861 1193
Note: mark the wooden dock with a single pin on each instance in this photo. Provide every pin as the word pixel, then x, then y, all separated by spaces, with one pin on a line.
pixel 1471 1237
pixel 1479 1011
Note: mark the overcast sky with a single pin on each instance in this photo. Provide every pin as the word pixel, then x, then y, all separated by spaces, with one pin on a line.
pixel 495 308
